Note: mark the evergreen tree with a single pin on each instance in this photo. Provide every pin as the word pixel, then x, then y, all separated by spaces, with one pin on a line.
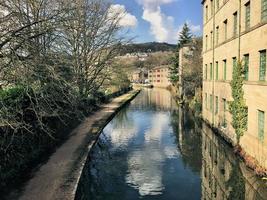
pixel 174 68
pixel 185 36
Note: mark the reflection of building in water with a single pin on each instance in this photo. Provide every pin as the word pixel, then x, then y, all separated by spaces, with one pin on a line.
pixel 223 175
pixel 189 139
pixel 157 98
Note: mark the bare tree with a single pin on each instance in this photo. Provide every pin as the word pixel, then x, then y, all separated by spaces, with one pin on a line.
pixel 53 53
pixel 91 39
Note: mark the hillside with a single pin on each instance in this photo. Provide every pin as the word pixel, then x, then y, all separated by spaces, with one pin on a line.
pixel 147 47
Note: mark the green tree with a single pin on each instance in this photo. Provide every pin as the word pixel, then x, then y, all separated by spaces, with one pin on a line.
pixel 185 36
pixel 238 107
pixel 174 68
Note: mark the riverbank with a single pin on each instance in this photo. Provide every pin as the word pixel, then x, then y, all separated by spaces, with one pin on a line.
pixel 58 178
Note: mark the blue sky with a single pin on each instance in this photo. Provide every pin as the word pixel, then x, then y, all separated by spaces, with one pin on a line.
pixel 160 20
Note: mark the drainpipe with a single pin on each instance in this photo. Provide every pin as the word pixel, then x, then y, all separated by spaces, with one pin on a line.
pixel 239 33
pixel 213 63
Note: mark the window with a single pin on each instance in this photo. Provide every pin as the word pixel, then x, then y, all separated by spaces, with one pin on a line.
pixel 246 66
pixel 206 100
pixel 211 40
pixel 235 24
pixel 206 42
pixel 211 103
pixel 264 10
pixel 247 16
pixel 261 119
pixel 225 29
pixel 217 105
pixel 217 35
pixel 207 13
pixel 224 69
pixel 262 65
pixel 206 71
pixel 211 71
pixel 217 71
pixel 234 64
pixel 224 123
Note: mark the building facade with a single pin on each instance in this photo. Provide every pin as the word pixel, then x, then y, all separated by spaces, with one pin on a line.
pixel 159 76
pixel 139 76
pixel 183 62
pixel 236 30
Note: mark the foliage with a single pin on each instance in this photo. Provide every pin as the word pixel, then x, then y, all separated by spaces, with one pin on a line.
pixel 149 47
pixel 54 58
pixel 130 64
pixel 174 68
pixel 57 53
pixel 196 103
pixel 192 69
pixel 118 78
pixel 238 107
pixel 185 36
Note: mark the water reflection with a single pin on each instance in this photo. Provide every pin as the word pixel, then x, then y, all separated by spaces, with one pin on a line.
pixel 224 176
pixel 156 150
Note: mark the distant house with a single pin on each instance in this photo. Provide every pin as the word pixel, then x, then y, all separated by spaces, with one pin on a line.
pixel 159 76
pixel 139 76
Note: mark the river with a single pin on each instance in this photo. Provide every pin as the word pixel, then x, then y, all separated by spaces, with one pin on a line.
pixel 154 149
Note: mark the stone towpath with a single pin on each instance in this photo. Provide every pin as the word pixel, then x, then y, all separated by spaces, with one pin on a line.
pixel 58 178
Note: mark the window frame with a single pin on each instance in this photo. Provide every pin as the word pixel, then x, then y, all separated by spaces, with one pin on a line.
pixel 264 10
pixel 225 29
pixel 234 60
pixel 217 35
pixel 247 15
pixel 262 66
pixel 211 102
pixel 217 71
pixel 261 126
pixel 235 24
pixel 211 71
pixel 246 67
pixel 225 69
pixel 224 112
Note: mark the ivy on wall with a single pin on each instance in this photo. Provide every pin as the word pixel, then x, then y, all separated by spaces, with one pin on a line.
pixel 238 107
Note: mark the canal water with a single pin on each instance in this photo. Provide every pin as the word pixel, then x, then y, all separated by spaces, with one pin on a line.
pixel 154 149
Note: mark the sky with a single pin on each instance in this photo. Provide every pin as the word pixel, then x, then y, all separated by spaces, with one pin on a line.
pixel 159 20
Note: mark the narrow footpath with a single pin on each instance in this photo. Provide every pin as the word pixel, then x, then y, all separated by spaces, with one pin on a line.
pixel 58 178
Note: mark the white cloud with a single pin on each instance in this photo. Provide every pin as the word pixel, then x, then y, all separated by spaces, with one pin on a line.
pixel 195 29
pixel 161 25
pixel 127 19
